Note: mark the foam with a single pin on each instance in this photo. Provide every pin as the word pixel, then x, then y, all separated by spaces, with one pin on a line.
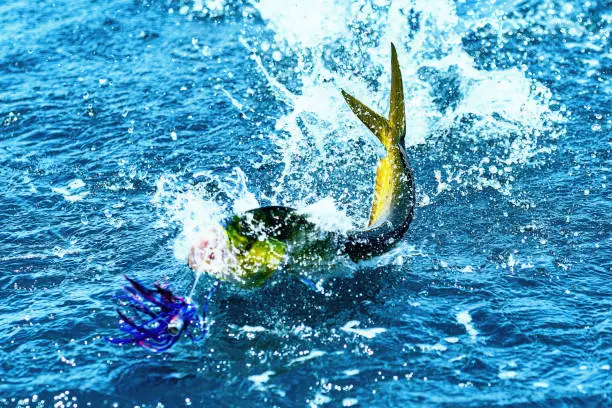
pixel 317 135
pixel 504 102
pixel 352 327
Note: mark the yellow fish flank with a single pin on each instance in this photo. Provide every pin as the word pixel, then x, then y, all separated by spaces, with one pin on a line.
pixel 389 181
pixel 393 188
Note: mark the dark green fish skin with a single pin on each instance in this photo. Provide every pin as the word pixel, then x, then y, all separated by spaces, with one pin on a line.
pixel 300 243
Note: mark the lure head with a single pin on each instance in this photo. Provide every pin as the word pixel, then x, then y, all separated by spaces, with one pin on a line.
pixel 236 254
pixel 175 325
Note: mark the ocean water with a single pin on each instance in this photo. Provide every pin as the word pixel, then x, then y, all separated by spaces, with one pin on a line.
pixel 125 123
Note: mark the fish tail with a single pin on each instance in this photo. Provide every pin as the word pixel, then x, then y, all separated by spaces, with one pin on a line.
pixel 390 131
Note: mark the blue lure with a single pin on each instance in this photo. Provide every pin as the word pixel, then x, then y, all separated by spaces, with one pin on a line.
pixel 163 317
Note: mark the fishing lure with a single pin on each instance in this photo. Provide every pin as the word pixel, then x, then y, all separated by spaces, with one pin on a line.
pixel 160 317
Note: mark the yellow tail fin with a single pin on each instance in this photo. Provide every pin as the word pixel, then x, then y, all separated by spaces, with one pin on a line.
pixel 390 178
pixel 388 131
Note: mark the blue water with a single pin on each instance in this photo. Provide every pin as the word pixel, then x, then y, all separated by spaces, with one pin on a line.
pixel 123 123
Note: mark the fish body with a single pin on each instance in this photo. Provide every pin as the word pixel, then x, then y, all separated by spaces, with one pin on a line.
pixel 265 239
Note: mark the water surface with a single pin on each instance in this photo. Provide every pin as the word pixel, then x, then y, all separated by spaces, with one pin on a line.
pixel 124 123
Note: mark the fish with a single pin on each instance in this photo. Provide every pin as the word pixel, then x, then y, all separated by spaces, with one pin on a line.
pixel 252 246
pixel 248 249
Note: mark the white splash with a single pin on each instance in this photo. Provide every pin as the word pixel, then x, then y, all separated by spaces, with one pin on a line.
pixel 193 209
pixel 71 191
pixel 262 378
pixel 506 375
pixel 327 216
pixel 540 384
pixel 252 329
pixel 327 169
pixel 351 327
pixel 350 402
pixel 432 347
pixel 465 319
pixel 308 356
pixel 503 103
pixel 351 372
pixel 296 21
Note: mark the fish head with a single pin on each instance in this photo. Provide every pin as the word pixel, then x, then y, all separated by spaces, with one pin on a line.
pixel 211 252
